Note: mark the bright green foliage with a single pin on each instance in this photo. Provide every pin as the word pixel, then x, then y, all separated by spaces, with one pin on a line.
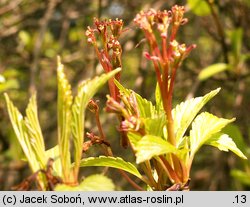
pixel 86 91
pixel 23 128
pixel 233 131
pixel 122 89
pixel 204 127
pixel 134 138
pixel 199 7
pixel 211 70
pixel 22 133
pixel 34 131
pixel 150 143
pixel 70 122
pixel 64 101
pixel 57 164
pixel 159 135
pixel 224 142
pixel 158 100
pixel 146 108
pixel 115 162
pixel 154 126
pixel 150 146
pixel 185 112
pixel 6 84
pixel 91 183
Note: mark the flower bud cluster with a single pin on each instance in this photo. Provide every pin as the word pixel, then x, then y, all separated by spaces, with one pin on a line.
pixel 104 37
pixel 167 24
pixel 166 52
pixel 128 109
pixel 109 31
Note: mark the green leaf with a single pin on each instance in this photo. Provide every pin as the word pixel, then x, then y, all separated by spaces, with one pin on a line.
pixel 233 131
pixel 122 89
pixel 20 129
pixel 8 84
pixel 183 151
pixel 204 127
pixel 55 155
pixel 64 102
pixel 35 132
pixel 22 135
pixel 224 143
pixel 150 146
pixel 134 138
pixel 115 162
pixel 236 42
pixel 146 108
pixel 199 7
pixel 86 91
pixel 212 70
pixel 154 126
pixel 91 183
pixel 185 112
pixel 241 176
pixel 158 99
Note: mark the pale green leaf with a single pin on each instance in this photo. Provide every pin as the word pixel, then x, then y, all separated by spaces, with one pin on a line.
pixel 64 102
pixel 224 143
pixel 8 84
pixel 204 127
pixel 183 150
pixel 150 146
pixel 134 138
pixel 54 154
pixel 146 108
pixel 211 70
pixel 34 131
pixel 241 176
pixel 232 130
pixel 91 183
pixel 114 162
pixel 236 42
pixel 154 126
pixel 158 99
pixel 22 135
pixel 86 91
pixel 199 7
pixel 185 112
pixel 122 89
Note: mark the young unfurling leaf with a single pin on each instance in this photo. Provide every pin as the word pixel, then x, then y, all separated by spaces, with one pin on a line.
pixel 86 91
pixel 64 102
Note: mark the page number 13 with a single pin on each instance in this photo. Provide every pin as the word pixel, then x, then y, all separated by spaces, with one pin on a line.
pixel 240 199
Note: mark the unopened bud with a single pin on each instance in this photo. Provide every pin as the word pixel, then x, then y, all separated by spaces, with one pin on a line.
pixel 92 106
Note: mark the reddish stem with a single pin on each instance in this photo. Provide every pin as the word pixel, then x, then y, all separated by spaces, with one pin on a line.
pixel 164 48
pixel 169 170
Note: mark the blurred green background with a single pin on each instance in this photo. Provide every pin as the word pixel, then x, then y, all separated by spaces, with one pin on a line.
pixel 34 32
